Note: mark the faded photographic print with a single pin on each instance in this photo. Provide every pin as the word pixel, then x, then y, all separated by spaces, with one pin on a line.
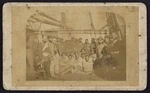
pixel 75 45
pixel 81 46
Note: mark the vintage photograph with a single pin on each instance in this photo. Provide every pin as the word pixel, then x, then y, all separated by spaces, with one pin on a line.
pixel 76 46
pixel 81 46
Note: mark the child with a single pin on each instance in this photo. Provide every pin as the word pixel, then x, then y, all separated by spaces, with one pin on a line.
pixel 88 65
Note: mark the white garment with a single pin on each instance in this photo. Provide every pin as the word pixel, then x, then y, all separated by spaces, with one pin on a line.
pixel 79 65
pixel 54 66
pixel 80 62
pixel 88 66
pixel 45 46
pixel 45 54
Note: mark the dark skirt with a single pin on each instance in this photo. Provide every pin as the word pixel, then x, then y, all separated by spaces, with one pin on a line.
pixel 108 69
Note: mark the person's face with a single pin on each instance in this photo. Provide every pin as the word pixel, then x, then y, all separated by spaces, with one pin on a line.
pixel 80 40
pixel 82 50
pixel 114 35
pixel 92 40
pixel 66 41
pixel 86 41
pixel 82 55
pixel 70 57
pixel 86 58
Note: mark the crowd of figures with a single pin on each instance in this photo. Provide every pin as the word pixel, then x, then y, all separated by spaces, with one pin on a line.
pixel 53 56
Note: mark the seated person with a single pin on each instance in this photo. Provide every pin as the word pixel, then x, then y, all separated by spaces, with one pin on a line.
pixel 72 63
pixel 78 64
pixel 88 65
pixel 64 65
pixel 94 57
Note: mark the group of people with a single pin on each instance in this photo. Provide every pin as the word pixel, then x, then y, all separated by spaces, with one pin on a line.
pixel 54 56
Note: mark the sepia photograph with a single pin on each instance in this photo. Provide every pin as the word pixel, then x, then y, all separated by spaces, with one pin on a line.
pixel 74 46
pixel 70 49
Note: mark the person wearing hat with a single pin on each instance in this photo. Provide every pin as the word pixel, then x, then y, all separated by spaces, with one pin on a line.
pixel 46 57
pixel 55 55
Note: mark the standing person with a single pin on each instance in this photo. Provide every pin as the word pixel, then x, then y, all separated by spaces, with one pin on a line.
pixel 100 46
pixel 54 68
pixel 93 46
pixel 80 44
pixel 115 47
pixel 54 57
pixel 83 51
pixel 86 46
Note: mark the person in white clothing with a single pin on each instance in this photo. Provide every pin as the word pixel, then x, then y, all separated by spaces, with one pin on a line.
pixel 54 66
pixel 88 65
pixel 78 64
